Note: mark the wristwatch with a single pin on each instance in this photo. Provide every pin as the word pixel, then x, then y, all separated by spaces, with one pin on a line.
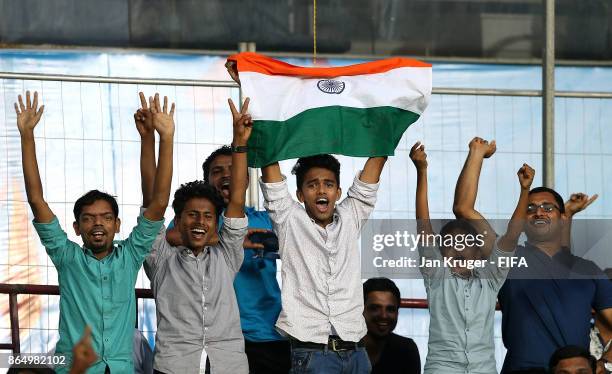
pixel 239 148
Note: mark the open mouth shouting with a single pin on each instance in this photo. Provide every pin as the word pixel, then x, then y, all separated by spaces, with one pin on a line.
pixel 225 188
pixel 322 204
pixel 539 222
pixel 97 234
pixel 198 233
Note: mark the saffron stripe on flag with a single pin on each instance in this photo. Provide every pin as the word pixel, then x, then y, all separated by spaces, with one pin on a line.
pixel 250 61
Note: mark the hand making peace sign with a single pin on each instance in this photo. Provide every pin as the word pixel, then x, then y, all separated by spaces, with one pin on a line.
pixel 243 123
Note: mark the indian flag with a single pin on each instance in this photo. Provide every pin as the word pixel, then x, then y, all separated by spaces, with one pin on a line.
pixel 358 110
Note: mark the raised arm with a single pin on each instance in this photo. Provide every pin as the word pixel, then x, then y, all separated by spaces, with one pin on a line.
pixel 28 116
pixel 467 184
pixel 243 125
pixel 271 173
pixel 164 125
pixel 372 169
pixel 144 124
pixel 576 203
pixel 509 240
pixel 419 159
pixel 467 188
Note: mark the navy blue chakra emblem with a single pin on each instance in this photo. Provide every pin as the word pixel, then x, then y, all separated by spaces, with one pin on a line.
pixel 331 86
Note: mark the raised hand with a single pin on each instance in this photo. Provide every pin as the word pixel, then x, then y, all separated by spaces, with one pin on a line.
pixel 29 114
pixel 418 155
pixel 525 175
pixel 162 119
pixel 247 243
pixel 482 147
pixel 144 118
pixel 83 354
pixel 242 122
pixel 578 202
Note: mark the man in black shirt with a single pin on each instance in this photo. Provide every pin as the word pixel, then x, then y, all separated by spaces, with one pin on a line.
pixel 389 353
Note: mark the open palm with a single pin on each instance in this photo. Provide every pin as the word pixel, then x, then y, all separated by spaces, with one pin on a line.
pixel 28 115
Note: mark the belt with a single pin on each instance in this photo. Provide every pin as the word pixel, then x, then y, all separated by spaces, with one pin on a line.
pixel 334 343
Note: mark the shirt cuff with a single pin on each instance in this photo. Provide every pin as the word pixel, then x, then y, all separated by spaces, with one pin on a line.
pixel 363 186
pixel 147 226
pixel 47 229
pixel 497 253
pixel 274 191
pixel 235 223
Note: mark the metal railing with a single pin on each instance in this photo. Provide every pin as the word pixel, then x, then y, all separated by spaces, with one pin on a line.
pixel 12 290
pixel 232 84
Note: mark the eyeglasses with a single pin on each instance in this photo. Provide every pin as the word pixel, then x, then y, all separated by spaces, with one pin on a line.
pixel 547 207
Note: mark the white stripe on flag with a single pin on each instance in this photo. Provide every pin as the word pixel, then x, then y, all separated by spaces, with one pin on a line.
pixel 279 98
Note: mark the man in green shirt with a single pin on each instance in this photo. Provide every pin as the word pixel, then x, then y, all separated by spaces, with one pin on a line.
pixel 97 280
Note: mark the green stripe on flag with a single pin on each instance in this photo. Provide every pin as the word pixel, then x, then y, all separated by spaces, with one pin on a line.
pixel 333 129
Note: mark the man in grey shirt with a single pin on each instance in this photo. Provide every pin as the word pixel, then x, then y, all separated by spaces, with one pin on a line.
pixel 462 300
pixel 193 283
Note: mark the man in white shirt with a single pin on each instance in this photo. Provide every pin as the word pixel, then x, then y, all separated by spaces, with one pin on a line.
pixel 322 295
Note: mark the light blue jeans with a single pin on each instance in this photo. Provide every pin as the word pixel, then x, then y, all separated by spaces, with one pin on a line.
pixel 316 361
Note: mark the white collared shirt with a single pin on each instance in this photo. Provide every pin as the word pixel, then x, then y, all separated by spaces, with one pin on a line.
pixel 321 267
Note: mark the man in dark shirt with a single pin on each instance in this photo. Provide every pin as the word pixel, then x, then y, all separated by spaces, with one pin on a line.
pixel 548 304
pixel 389 353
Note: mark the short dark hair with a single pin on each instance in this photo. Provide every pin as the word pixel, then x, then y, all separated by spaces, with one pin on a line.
pixel 225 150
pixel 570 351
pixel 304 164
pixel 90 198
pixel 196 189
pixel 459 224
pixel 380 284
pixel 558 198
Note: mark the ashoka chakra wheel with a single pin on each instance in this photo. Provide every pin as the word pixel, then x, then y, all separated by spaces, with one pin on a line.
pixel 331 86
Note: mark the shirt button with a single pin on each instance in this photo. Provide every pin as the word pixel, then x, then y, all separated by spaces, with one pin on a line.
pixel 205 308
pixel 105 277
pixel 205 288
pixel 106 340
pixel 205 328
pixel 205 345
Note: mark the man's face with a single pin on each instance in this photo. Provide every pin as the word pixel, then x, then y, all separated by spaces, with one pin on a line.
pixel 574 365
pixel 380 313
pixel 97 226
pixel 319 193
pixel 543 224
pixel 219 175
pixel 197 223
